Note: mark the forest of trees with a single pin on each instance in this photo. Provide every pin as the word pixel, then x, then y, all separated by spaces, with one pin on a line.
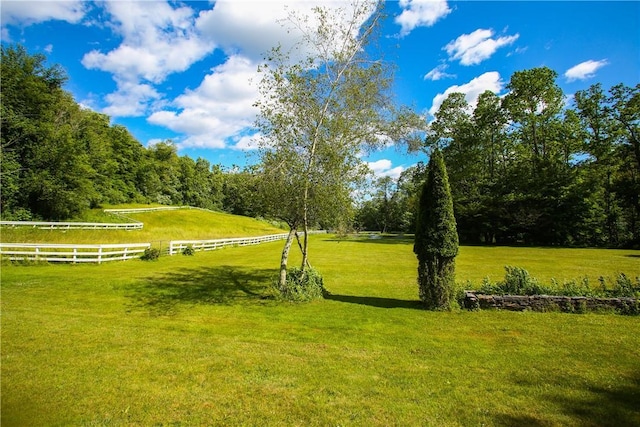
pixel 523 168
pixel 59 159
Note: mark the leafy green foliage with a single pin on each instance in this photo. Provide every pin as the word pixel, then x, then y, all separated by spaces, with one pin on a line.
pixel 150 254
pixel 302 285
pixel 436 233
pixel 189 251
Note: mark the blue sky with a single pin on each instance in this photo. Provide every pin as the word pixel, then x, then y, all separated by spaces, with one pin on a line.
pixel 184 70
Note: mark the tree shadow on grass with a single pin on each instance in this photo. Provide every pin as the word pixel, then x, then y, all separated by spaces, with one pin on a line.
pixel 222 285
pixel 374 238
pixel 604 406
pixel 376 301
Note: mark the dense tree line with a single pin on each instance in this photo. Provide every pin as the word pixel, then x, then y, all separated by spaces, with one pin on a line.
pixel 527 168
pixel 59 159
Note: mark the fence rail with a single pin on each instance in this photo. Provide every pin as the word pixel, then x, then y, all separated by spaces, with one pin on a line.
pixel 177 246
pixel 72 225
pixel 141 210
pixel 53 252
pixel 51 225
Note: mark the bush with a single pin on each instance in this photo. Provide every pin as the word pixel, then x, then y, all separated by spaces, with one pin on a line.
pixel 189 251
pixel 303 286
pixel 517 281
pixel 150 254
pixel 624 287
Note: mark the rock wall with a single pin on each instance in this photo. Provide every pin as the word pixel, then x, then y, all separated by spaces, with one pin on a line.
pixel 476 301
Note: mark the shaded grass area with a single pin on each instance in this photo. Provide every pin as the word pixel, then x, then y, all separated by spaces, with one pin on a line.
pixel 200 341
pixel 159 227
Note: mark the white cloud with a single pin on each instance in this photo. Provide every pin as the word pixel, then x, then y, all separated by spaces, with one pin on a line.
pixel 384 167
pixel 157 41
pixel 131 99
pixel 477 46
pixel 247 142
pixel 438 73
pixel 472 90
pixel 420 13
pixel 31 12
pixel 221 107
pixel 253 30
pixel 585 70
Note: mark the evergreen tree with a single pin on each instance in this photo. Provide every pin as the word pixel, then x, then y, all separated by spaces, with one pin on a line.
pixel 436 238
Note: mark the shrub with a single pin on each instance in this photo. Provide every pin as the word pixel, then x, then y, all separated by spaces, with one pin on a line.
pixel 436 238
pixel 303 286
pixel 575 289
pixel 624 287
pixel 517 281
pixel 150 254
pixel 189 251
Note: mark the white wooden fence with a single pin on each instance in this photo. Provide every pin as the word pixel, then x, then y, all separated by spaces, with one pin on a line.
pixel 141 210
pixel 177 246
pixel 136 225
pixel 72 225
pixel 74 253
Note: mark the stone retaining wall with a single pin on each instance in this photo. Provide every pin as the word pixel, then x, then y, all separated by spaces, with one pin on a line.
pixel 475 301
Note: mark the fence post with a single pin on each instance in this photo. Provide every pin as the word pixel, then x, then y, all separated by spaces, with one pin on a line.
pixel 75 255
pixel 100 254
pixel 124 257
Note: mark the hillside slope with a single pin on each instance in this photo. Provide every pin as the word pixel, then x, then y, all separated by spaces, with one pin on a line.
pixel 179 224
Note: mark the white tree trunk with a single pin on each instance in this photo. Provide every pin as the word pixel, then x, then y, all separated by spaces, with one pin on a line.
pixel 285 259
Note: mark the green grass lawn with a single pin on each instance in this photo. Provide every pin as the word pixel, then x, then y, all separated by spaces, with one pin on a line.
pixel 197 341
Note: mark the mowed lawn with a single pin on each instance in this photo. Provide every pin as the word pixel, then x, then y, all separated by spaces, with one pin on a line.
pixel 198 341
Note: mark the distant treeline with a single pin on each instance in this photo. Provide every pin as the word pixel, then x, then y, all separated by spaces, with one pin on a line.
pixel 523 168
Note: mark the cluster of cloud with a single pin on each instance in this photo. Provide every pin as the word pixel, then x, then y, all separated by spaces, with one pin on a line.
pixel 470 49
pixel 159 39
pixel 163 38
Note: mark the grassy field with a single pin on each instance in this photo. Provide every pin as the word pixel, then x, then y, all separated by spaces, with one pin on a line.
pixel 160 226
pixel 198 341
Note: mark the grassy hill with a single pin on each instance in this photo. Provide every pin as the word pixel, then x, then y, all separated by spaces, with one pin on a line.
pixel 182 224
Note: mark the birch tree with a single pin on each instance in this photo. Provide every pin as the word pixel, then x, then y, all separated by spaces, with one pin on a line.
pixel 322 104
